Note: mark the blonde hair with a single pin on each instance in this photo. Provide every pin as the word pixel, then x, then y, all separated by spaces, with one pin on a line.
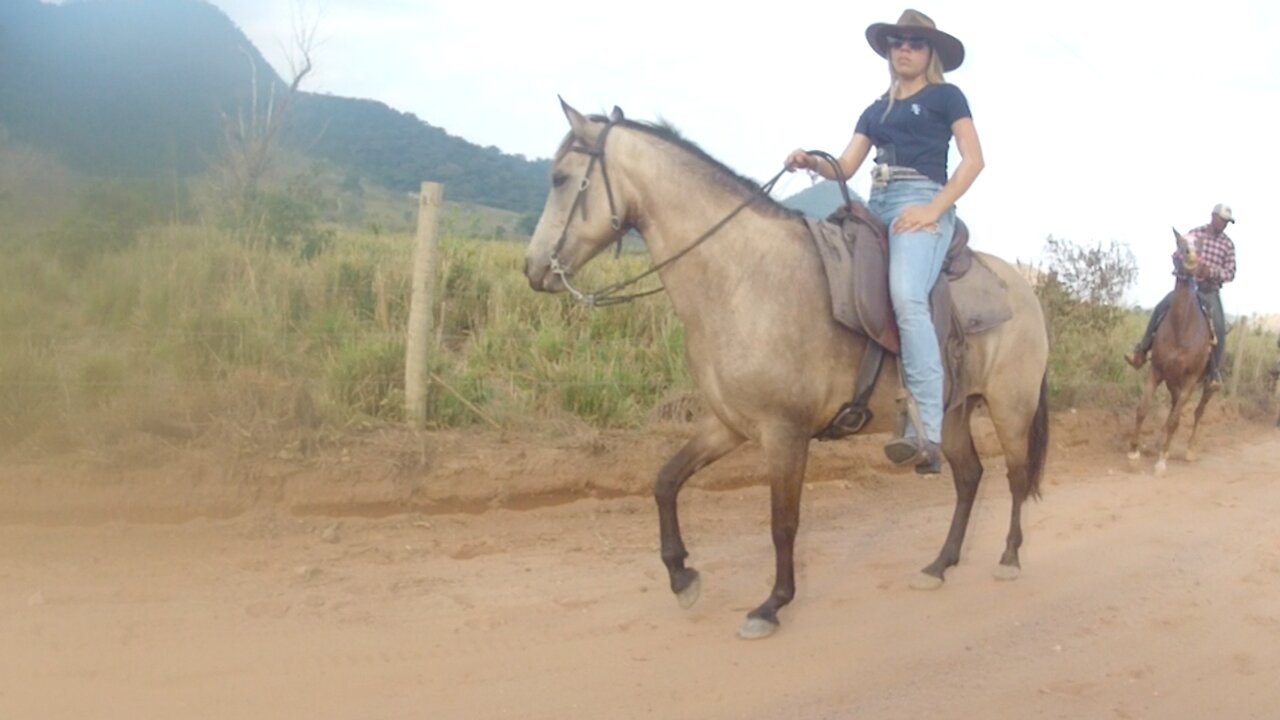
pixel 932 76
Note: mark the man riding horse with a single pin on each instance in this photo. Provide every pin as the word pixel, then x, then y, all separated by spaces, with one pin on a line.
pixel 1217 267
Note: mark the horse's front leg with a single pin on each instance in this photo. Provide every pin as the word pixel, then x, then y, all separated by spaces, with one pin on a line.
pixel 711 441
pixel 966 471
pixel 1179 400
pixel 1144 406
pixel 786 452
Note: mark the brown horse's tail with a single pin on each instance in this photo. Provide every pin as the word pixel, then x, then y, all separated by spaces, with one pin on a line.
pixel 1038 440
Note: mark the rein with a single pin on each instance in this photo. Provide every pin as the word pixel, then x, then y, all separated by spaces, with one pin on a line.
pixel 609 295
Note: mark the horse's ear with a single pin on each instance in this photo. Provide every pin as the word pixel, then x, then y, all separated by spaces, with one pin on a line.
pixel 577 121
pixel 617 114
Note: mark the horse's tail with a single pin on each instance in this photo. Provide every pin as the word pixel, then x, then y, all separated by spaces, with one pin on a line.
pixel 1038 440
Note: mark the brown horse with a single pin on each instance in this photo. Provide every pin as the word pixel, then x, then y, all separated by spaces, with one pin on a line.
pixel 1180 353
pixel 1273 377
pixel 766 355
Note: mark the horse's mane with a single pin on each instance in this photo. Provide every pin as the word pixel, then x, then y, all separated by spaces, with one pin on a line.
pixel 726 177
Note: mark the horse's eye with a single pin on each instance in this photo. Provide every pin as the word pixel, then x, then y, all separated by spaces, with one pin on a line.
pixel 559 179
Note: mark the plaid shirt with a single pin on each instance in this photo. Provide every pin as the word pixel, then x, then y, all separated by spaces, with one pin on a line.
pixel 1217 255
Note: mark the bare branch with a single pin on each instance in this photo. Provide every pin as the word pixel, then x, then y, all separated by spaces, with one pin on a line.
pixel 251 139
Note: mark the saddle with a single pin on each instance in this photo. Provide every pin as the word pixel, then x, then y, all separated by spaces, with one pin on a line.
pixel 968 298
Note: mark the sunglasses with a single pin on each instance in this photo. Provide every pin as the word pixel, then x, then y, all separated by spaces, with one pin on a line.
pixel 915 43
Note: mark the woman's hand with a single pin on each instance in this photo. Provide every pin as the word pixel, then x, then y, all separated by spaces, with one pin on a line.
pixel 799 159
pixel 916 217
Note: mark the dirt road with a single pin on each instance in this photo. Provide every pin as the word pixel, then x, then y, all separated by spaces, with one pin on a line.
pixel 1140 598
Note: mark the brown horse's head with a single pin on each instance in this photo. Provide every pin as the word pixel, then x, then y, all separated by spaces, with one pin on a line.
pixel 584 211
pixel 1187 249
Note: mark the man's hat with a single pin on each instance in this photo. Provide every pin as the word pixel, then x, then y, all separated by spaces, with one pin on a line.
pixel 914 23
pixel 1223 212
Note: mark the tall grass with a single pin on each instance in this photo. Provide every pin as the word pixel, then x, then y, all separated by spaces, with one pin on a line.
pixel 1087 367
pixel 187 331
pixel 190 326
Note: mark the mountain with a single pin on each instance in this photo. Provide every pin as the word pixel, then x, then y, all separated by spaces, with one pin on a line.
pixel 125 88
pixel 820 200
pixel 138 88
pixel 399 151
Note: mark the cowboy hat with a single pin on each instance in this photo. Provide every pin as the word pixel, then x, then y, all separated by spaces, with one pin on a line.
pixel 914 23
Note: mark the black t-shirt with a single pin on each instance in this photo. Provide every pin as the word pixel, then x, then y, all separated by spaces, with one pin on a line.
pixel 918 128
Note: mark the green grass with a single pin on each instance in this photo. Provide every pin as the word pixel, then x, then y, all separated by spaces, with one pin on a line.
pixel 189 323
pixel 189 326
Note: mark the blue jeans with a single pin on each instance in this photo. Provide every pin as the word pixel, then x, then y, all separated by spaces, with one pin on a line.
pixel 915 260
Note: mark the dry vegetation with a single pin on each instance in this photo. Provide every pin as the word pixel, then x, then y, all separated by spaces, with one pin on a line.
pixel 117 318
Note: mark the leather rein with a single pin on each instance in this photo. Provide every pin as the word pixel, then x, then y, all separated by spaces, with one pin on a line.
pixel 609 295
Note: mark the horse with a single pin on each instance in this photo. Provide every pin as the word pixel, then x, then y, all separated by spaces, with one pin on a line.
pixel 765 355
pixel 1180 354
pixel 1273 377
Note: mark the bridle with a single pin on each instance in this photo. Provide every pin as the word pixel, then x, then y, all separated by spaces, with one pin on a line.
pixel 1188 263
pixel 609 295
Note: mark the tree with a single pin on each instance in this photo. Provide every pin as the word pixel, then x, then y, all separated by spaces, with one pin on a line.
pixel 250 137
pixel 1082 286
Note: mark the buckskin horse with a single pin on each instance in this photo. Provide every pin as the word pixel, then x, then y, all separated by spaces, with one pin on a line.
pixel 767 359
pixel 1180 353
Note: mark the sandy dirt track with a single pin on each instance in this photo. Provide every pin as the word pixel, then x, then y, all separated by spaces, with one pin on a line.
pixel 1140 598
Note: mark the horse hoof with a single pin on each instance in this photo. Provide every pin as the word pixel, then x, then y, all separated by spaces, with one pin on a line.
pixel 926 582
pixel 1192 456
pixel 755 629
pixel 1161 468
pixel 1134 456
pixel 690 594
pixel 1006 573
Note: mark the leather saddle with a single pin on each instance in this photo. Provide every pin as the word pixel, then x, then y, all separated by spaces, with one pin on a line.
pixel 967 298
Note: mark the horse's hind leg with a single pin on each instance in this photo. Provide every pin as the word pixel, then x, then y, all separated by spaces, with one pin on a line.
pixel 711 441
pixel 966 470
pixel 786 453
pixel 1022 424
pixel 1205 394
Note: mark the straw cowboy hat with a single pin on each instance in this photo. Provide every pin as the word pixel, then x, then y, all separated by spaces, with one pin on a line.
pixel 914 23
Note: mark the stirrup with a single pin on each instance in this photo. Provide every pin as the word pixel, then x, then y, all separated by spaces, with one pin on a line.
pixel 849 420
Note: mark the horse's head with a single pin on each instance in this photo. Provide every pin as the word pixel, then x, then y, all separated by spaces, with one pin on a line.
pixel 1187 252
pixel 584 212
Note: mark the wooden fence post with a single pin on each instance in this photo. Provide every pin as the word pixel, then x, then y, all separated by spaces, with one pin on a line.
pixel 421 314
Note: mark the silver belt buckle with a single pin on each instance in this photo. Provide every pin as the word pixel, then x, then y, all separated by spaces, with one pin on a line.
pixel 880 175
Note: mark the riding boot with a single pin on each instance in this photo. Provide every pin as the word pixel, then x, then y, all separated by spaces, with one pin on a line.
pixel 932 462
pixel 1212 375
pixel 1138 357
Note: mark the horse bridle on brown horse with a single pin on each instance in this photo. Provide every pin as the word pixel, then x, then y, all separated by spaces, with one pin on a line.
pixel 608 295
pixel 1187 270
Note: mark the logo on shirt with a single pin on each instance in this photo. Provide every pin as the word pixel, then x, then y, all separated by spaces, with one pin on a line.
pixel 915 108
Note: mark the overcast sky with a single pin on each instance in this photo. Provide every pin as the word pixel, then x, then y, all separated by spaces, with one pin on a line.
pixel 1099 121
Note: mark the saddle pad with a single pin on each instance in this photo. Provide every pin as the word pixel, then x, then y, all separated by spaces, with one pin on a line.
pixel 857 270
pixel 980 298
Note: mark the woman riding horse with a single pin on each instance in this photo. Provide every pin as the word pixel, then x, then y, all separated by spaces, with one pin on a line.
pixel 911 126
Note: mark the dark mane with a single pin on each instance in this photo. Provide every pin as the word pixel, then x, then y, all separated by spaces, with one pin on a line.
pixel 724 175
